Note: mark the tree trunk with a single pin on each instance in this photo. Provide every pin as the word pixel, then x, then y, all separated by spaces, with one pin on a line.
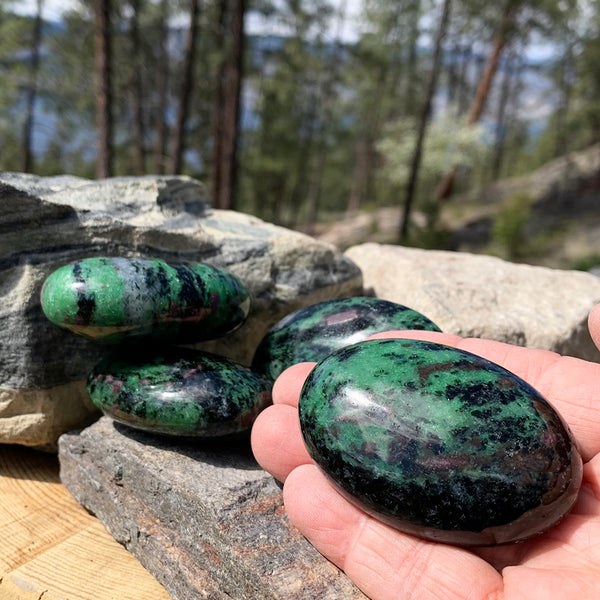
pixel 424 121
pixel 358 177
pixel 446 185
pixel 362 179
pixel 325 102
pixel 566 87
pixel 314 189
pixel 463 74
pixel 299 191
pixel 135 90
pixel 491 67
pixel 218 106
pixel 163 89
pixel 36 42
pixel 186 88
pixel 500 133
pixel 451 72
pixel 226 111
pixel 411 67
pixel 103 59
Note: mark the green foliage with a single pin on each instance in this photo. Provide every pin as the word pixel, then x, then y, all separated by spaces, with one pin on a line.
pixel 588 262
pixel 449 141
pixel 277 156
pixel 509 231
pixel 324 119
pixel 14 37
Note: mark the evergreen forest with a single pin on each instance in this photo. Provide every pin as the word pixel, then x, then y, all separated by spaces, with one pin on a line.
pixel 458 124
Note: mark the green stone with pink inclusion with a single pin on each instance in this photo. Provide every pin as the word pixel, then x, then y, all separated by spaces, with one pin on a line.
pixel 439 443
pixel 117 299
pixel 182 392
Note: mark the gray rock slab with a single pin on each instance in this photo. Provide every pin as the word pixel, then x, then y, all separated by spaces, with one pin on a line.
pixel 48 222
pixel 206 521
pixel 484 296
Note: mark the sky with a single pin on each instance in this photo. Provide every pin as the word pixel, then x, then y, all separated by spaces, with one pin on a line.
pixel 255 25
pixel 52 9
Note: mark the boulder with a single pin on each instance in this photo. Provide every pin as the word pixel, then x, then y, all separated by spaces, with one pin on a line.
pixel 484 296
pixel 205 520
pixel 48 222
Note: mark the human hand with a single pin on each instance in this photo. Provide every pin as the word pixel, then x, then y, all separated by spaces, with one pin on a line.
pixel 387 564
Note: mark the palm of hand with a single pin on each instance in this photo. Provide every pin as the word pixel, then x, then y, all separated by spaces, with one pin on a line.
pixel 386 564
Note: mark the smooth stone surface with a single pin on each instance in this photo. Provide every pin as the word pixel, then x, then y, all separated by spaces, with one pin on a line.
pixel 483 296
pixel 439 443
pixel 203 518
pixel 313 332
pixel 111 299
pixel 184 392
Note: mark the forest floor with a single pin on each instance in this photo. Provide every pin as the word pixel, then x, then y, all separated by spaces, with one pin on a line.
pixel 550 217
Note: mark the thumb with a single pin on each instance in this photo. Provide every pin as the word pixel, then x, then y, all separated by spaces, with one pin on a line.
pixel 594 325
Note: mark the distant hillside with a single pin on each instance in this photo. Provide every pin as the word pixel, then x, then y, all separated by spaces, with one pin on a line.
pixel 550 217
pixel 555 178
pixel 559 205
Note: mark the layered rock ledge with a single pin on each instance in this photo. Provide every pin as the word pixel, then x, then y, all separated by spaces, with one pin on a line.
pixel 205 520
pixel 47 222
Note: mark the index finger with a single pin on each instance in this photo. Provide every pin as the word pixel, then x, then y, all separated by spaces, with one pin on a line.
pixel 287 387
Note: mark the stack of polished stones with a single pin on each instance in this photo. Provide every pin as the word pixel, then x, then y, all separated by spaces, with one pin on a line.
pixel 427 438
pixel 145 309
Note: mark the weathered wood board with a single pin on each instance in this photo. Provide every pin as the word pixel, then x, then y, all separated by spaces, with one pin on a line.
pixel 51 548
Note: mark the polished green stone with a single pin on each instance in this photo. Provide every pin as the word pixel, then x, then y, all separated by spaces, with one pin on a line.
pixel 439 443
pixel 182 392
pixel 313 332
pixel 113 299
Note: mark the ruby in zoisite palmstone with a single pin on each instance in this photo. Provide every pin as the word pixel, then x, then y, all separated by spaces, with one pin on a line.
pixel 117 299
pixel 178 392
pixel 313 332
pixel 439 443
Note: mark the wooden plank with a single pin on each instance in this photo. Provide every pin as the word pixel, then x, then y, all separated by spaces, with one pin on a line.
pixel 51 548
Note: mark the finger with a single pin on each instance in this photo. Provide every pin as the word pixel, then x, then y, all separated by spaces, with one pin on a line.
pixel 571 385
pixel 418 334
pixel 383 562
pixel 286 389
pixel 277 442
pixel 588 501
pixel 594 325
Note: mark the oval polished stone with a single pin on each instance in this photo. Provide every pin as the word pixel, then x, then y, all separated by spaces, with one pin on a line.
pixel 112 299
pixel 183 392
pixel 439 443
pixel 313 332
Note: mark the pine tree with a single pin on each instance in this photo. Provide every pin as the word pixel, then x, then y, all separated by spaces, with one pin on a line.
pixel 377 57
pixel 162 88
pixel 424 121
pixel 517 18
pixel 278 148
pixel 104 92
pixel 226 104
pixel 135 88
pixel 32 90
pixel 187 84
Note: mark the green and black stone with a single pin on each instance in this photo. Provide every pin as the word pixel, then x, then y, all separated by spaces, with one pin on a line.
pixel 439 443
pixel 183 392
pixel 313 332
pixel 115 299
